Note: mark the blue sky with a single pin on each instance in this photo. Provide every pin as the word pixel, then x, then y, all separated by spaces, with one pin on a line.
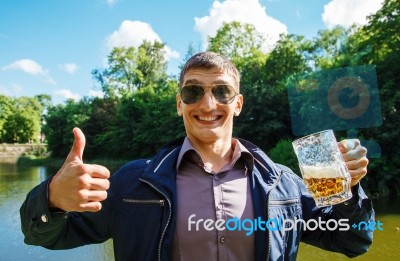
pixel 51 46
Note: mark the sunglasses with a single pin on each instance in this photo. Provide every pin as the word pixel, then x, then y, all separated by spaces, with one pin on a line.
pixel 193 93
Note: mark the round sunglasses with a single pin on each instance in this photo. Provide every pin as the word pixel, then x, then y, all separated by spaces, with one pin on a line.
pixel 193 93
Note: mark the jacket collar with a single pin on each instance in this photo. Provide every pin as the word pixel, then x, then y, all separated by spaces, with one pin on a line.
pixel 161 171
pixel 264 168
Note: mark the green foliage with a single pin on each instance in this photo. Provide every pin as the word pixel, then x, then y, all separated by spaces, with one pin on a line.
pixel 265 117
pixel 60 120
pixel 20 119
pixel 6 104
pixel 283 153
pixel 238 42
pixel 135 125
pixel 131 68
pixel 378 43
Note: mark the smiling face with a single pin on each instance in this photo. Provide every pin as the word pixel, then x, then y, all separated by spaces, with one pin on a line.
pixel 207 120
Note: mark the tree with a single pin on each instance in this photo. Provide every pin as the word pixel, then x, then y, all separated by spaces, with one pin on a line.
pixel 330 48
pixel 192 50
pixel 237 42
pixel 144 121
pixel 21 119
pixel 378 43
pixel 131 68
pixel 6 105
pixel 60 120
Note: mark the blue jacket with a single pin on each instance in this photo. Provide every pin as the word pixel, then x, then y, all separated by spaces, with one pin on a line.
pixel 139 213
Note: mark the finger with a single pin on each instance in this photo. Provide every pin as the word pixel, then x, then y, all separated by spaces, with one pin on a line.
pixel 98 171
pixel 96 195
pixel 357 164
pixel 355 179
pixel 347 145
pixel 357 175
pixel 357 153
pixel 99 184
pixel 90 206
pixel 78 147
pixel 94 170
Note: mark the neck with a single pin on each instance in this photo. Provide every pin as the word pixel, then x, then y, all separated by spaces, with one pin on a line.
pixel 215 154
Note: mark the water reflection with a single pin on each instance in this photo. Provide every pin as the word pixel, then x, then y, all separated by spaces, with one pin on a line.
pixel 15 183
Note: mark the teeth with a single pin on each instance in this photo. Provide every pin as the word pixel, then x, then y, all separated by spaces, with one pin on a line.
pixel 208 118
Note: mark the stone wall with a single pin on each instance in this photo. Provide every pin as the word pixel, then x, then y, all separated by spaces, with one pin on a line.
pixel 16 150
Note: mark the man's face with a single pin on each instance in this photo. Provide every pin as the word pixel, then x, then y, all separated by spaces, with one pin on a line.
pixel 208 120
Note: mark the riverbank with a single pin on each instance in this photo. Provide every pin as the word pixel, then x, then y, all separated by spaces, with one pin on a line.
pixel 111 164
pixel 17 150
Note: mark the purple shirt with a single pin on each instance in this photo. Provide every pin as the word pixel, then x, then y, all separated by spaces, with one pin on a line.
pixel 206 200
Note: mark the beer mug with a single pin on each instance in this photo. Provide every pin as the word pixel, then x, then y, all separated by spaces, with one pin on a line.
pixel 324 171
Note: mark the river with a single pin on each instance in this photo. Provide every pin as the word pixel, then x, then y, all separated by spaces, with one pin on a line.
pixel 17 181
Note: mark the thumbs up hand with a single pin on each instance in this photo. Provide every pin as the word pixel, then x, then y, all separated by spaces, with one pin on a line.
pixel 78 186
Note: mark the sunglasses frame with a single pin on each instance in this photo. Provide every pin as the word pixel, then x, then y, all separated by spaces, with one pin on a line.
pixel 229 101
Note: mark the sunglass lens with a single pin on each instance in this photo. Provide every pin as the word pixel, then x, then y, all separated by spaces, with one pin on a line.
pixel 223 93
pixel 192 94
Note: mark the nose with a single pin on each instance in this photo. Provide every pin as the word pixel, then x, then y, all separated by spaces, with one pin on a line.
pixel 208 101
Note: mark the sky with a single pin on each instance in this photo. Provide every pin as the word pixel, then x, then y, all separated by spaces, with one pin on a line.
pixel 51 46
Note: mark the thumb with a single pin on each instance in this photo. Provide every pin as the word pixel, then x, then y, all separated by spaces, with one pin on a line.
pixel 76 152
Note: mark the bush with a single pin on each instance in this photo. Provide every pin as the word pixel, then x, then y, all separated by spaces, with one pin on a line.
pixel 283 153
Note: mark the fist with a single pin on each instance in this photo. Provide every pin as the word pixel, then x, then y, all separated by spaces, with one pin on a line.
pixel 355 157
pixel 78 186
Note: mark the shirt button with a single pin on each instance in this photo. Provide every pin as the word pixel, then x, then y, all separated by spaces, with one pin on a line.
pixel 44 218
pixel 222 239
pixel 219 206
pixel 216 177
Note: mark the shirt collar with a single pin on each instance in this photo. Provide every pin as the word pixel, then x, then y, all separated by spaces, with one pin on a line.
pixel 239 151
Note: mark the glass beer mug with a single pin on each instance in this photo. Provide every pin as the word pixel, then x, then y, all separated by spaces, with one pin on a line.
pixel 323 169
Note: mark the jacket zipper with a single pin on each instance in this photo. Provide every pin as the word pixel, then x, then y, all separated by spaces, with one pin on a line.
pixel 169 216
pixel 283 202
pixel 144 201
pixel 268 203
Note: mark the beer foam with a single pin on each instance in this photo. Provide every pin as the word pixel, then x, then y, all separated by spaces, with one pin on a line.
pixel 332 171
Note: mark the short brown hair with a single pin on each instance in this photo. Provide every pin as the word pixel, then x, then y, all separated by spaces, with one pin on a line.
pixel 209 60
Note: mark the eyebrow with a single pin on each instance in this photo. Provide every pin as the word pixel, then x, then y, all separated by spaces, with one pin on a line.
pixel 194 81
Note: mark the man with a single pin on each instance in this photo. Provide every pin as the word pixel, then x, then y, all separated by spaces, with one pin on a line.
pixel 174 206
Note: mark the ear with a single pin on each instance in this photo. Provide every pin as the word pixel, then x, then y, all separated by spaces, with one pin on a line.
pixel 238 105
pixel 179 104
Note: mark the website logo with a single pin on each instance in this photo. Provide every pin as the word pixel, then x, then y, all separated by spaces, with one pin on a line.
pixel 252 225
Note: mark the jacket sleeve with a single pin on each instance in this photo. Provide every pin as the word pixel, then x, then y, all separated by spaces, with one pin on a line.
pixel 346 239
pixel 59 230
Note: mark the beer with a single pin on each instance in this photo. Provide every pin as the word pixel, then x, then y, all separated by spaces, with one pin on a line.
pixel 323 187
pixel 325 182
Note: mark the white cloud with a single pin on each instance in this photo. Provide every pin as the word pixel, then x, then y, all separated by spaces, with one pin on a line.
pixel 95 93
pixel 132 33
pixel 70 68
pixel 244 11
pixel 31 67
pixel 348 12
pixel 68 94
